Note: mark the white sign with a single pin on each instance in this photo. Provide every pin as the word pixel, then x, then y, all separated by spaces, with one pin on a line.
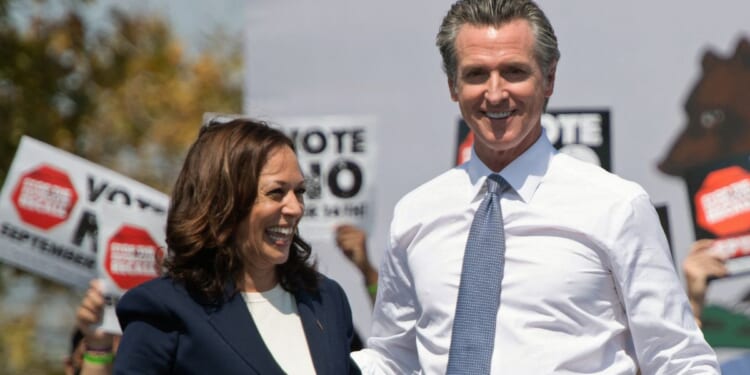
pixel 131 250
pixel 56 210
pixel 337 155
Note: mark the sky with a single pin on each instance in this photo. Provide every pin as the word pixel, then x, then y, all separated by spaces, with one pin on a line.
pixel 192 20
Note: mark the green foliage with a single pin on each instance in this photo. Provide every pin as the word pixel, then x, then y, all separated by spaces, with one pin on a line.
pixel 151 99
pixel 126 96
pixel 40 90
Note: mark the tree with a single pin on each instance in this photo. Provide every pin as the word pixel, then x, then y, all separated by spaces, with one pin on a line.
pixel 151 99
pixel 126 96
pixel 41 90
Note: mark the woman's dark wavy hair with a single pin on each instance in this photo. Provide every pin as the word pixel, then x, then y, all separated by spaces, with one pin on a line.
pixel 214 192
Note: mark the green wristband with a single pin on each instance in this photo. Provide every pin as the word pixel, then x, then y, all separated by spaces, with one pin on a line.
pixel 373 289
pixel 98 358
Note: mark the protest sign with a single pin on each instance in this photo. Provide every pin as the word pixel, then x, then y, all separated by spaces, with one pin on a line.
pixel 131 251
pixel 55 207
pixel 337 156
pixel 720 203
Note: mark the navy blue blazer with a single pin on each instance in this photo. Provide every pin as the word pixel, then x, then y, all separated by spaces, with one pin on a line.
pixel 168 331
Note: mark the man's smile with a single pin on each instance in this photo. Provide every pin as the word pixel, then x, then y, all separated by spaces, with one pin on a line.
pixel 499 115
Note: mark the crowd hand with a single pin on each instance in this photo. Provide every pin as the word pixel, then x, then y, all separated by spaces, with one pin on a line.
pixel 89 316
pixel 353 243
pixel 700 266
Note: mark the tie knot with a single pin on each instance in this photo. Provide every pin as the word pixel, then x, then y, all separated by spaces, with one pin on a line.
pixel 496 184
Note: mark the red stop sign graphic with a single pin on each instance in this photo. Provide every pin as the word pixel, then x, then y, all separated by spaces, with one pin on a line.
pixel 44 197
pixel 464 149
pixel 722 204
pixel 132 257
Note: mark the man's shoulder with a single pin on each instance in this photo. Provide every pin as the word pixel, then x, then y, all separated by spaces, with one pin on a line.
pixel 447 184
pixel 592 178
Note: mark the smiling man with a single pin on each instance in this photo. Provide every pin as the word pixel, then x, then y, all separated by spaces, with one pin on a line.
pixel 523 260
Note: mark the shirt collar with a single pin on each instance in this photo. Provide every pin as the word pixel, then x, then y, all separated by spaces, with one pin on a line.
pixel 524 174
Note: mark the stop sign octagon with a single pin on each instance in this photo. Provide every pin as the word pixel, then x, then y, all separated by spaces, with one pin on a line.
pixel 132 257
pixel 44 197
pixel 723 202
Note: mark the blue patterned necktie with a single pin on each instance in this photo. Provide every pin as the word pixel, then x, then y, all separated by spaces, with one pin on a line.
pixel 479 293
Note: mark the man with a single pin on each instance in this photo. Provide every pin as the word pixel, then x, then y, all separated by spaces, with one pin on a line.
pixel 586 281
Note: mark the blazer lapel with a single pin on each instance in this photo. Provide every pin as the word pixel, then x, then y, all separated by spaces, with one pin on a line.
pixel 233 322
pixel 315 331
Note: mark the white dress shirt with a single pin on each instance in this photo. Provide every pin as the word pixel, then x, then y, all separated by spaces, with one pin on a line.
pixel 589 285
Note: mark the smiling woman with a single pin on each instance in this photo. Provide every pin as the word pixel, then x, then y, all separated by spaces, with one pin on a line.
pixel 268 232
pixel 235 177
pixel 240 295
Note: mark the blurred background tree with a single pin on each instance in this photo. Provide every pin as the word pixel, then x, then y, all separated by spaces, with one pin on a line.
pixel 122 93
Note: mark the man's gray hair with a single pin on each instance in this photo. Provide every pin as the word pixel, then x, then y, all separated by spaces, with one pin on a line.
pixel 496 13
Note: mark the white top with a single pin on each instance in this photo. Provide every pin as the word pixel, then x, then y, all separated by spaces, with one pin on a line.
pixel 589 286
pixel 275 314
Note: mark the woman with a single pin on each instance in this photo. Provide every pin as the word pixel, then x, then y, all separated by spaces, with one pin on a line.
pixel 239 296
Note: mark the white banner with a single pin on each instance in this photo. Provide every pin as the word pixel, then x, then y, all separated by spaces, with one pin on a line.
pixel 337 155
pixel 58 211
pixel 131 250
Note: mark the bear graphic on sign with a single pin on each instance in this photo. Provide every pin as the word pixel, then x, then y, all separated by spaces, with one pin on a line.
pixel 718 110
